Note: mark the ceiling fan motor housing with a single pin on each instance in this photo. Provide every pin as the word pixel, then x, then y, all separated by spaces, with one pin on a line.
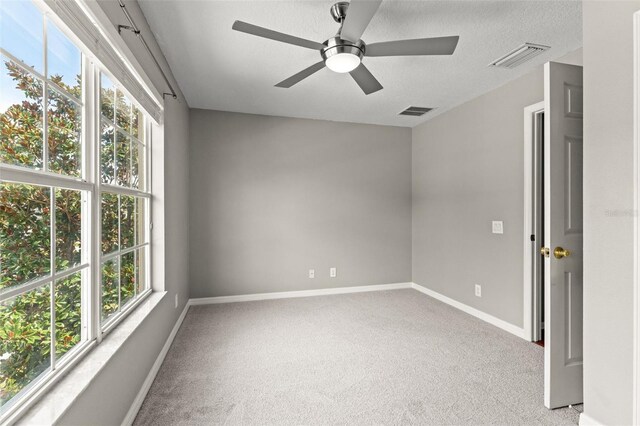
pixel 337 45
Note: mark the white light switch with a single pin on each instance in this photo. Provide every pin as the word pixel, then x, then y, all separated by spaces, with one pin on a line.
pixel 333 272
pixel 312 273
pixel 497 227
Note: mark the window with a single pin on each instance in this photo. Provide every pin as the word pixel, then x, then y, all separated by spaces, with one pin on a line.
pixel 123 156
pixel 74 201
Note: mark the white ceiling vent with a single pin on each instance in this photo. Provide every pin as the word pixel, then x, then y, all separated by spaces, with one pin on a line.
pixel 519 55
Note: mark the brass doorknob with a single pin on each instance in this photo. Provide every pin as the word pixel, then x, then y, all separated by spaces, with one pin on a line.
pixel 559 252
pixel 544 251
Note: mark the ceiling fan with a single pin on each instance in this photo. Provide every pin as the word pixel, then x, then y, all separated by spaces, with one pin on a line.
pixel 344 52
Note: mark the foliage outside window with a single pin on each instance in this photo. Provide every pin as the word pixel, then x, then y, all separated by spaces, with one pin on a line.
pixel 47 296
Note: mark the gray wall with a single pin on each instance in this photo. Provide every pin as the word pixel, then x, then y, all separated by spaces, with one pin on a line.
pixel 109 397
pixel 608 210
pixel 468 170
pixel 273 197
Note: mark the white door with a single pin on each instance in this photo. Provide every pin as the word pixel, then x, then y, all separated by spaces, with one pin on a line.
pixel 563 235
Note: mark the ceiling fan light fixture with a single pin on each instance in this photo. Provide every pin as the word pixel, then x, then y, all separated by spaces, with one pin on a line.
pixel 342 62
pixel 342 56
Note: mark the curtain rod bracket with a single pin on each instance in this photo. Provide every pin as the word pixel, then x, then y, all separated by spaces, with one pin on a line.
pixel 127 27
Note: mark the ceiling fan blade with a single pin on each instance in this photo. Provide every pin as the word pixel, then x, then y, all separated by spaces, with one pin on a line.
pixel 297 78
pixel 359 14
pixel 275 35
pixel 365 80
pixel 417 46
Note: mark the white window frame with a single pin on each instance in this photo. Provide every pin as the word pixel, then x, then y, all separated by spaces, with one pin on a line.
pixel 89 184
pixel 101 188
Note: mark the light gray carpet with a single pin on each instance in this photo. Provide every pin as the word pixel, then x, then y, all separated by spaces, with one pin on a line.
pixel 387 357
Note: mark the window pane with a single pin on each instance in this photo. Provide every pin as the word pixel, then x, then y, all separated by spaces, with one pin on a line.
pixel 64 63
pixel 123 159
pixel 68 293
pixel 135 166
pixel 25 340
pixel 137 124
pixel 64 119
pixel 21 28
pixel 107 96
pixel 107 153
pixel 141 269
pixel 110 283
pixel 138 165
pixel 127 222
pixel 123 111
pixel 21 116
pixel 25 234
pixel 109 222
pixel 68 228
pixel 141 220
pixel 127 277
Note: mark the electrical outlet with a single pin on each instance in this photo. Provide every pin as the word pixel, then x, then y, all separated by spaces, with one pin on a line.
pixel 176 300
pixel 478 290
pixel 333 272
pixel 312 273
pixel 497 227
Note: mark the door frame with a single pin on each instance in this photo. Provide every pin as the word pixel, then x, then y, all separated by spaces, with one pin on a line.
pixel 528 287
pixel 636 221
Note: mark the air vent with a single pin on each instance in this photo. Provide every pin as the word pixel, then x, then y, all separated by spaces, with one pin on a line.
pixel 415 111
pixel 519 56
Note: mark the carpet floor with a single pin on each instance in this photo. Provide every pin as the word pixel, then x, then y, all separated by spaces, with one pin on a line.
pixel 386 357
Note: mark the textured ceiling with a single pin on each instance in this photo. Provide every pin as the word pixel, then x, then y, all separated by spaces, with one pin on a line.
pixel 218 68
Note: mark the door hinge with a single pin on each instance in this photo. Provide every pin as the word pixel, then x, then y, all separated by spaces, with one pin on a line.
pixel 150 225
pixel 533 237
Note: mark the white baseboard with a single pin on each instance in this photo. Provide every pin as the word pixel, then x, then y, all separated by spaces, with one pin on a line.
pixel 357 289
pixel 301 293
pixel 517 331
pixel 137 402
pixel 585 420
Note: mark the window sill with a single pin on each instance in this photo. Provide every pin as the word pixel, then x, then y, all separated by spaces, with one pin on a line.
pixel 54 403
